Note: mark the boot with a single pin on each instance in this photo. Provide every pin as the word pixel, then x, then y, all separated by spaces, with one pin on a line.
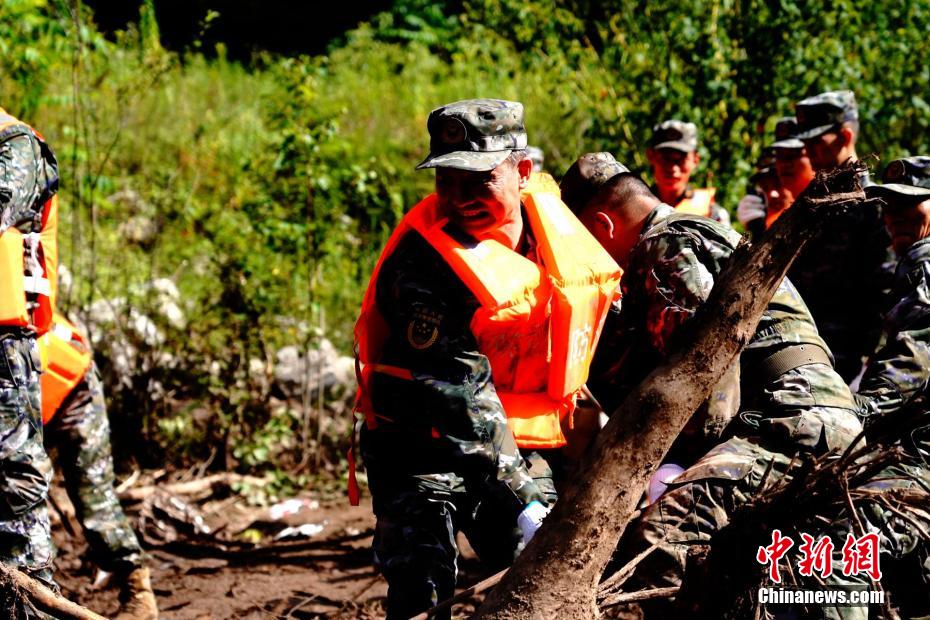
pixel 137 601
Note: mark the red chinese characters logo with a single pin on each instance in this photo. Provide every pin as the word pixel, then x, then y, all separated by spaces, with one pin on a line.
pixel 860 555
pixel 774 552
pixel 816 556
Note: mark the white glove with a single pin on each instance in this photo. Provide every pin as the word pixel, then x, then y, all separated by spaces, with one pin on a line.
pixel 530 519
pixel 660 480
pixel 749 209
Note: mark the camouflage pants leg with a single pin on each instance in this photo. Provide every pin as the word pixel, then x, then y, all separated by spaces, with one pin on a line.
pixel 25 470
pixel 80 434
pixel 905 550
pixel 417 521
pixel 414 541
pixel 697 505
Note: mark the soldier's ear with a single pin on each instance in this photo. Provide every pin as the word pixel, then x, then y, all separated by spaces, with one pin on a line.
pixel 605 222
pixel 524 169
pixel 847 135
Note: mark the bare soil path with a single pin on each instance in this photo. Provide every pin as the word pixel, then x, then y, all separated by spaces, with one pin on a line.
pixel 329 574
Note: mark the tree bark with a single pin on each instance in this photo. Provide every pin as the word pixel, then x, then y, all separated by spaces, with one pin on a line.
pixel 557 575
pixel 44 599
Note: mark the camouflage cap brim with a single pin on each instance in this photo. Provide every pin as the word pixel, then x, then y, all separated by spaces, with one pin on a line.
pixel 474 161
pixel 762 173
pixel 676 145
pixel 790 143
pixel 898 191
pixel 816 131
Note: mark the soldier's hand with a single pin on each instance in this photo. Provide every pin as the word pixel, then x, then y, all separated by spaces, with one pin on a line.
pixel 530 519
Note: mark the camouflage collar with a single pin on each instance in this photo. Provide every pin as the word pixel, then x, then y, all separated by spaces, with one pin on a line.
pixel 920 249
pixel 656 217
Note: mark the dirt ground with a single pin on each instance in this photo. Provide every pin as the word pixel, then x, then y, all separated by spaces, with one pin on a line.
pixel 325 575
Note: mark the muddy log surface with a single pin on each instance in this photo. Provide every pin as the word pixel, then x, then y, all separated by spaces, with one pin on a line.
pixel 557 574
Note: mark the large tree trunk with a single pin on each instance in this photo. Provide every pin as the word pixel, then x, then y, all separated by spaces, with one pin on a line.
pixel 556 576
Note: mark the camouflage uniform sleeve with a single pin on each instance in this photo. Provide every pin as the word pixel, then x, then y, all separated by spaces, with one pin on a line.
pixel 675 286
pixel 18 181
pixel 664 284
pixel 900 371
pixel 452 394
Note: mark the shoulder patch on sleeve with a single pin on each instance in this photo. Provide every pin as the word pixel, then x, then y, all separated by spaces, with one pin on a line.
pixel 423 329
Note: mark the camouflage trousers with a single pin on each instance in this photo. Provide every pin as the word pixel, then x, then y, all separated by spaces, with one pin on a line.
pixel 25 470
pixel 79 439
pixel 418 517
pixel 808 408
pixel 698 504
pixel 905 552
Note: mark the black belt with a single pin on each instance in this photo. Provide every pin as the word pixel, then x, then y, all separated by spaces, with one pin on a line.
pixel 789 358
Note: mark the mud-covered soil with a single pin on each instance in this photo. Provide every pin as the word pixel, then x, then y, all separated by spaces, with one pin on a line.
pixel 331 577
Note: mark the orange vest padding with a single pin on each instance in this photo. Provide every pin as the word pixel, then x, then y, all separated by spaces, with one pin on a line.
pixel 542 182
pixel 13 310
pixel 699 203
pixel 771 216
pixel 41 252
pixel 66 358
pixel 537 326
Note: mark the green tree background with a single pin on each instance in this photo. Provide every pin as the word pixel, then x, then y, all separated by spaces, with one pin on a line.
pixel 271 185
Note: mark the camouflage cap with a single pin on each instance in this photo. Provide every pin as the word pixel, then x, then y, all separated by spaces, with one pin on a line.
pixel 786 131
pixel 673 134
pixel 904 179
pixel 586 176
pixel 825 112
pixel 474 134
pixel 536 156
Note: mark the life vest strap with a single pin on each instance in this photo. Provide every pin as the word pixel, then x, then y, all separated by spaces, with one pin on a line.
pixel 37 285
pixel 354 493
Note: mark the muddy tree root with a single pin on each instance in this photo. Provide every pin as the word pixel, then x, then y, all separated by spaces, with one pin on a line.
pixel 43 598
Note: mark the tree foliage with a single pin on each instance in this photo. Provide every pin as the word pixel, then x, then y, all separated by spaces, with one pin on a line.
pixel 270 188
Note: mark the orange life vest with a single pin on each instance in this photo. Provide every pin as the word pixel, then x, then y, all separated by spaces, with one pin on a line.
pixel 542 182
pixel 699 203
pixel 29 262
pixel 66 358
pixel 537 325
pixel 770 217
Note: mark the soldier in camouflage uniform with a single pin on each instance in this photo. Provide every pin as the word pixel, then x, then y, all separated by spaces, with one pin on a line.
pixel 28 178
pixel 782 173
pixel 845 271
pixel 789 397
pixel 79 438
pixel 674 156
pixel 442 458
pixel 897 378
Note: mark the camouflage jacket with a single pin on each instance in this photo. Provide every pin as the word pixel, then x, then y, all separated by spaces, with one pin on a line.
pixel 898 375
pixel 844 274
pixel 670 274
pixel 28 177
pixel 448 419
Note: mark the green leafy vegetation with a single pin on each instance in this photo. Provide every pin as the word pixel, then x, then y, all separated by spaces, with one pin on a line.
pixel 265 191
